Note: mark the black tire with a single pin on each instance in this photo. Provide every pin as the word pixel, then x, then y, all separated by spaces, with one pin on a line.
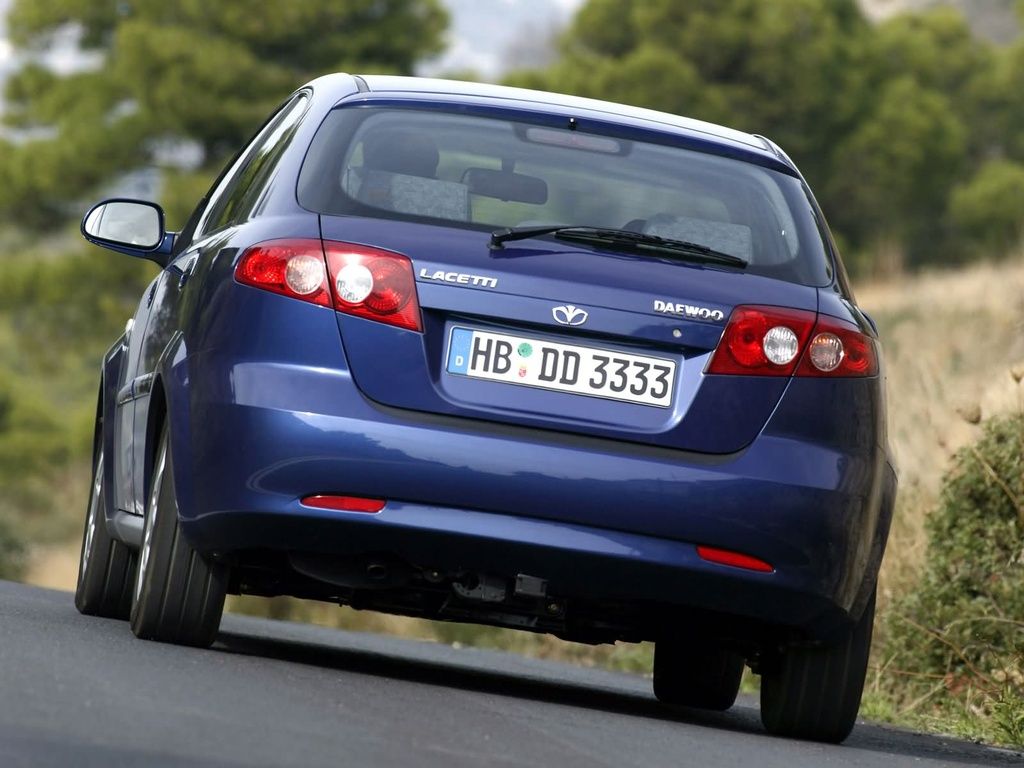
pixel 814 693
pixel 696 674
pixel 106 568
pixel 179 595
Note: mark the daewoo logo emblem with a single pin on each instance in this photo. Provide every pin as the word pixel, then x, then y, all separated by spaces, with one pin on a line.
pixel 567 314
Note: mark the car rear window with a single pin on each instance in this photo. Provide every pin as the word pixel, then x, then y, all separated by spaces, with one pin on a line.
pixel 484 172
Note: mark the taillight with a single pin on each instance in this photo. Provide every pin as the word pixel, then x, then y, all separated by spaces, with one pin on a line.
pixel 375 284
pixel 762 341
pixel 290 267
pixel 354 279
pixel 838 348
pixel 775 341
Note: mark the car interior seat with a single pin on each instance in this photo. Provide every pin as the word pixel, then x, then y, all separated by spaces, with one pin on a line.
pixel 399 174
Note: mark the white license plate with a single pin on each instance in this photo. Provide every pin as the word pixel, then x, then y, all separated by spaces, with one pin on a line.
pixel 589 371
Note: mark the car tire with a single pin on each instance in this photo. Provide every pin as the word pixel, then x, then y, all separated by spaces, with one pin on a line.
pixel 106 568
pixel 814 693
pixel 179 595
pixel 696 674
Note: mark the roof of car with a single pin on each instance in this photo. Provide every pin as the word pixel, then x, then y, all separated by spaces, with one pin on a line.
pixel 609 110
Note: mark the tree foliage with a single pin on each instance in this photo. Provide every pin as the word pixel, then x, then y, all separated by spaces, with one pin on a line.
pixel 175 71
pixel 987 208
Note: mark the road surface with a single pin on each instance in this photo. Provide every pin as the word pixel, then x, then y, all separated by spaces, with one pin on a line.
pixel 78 691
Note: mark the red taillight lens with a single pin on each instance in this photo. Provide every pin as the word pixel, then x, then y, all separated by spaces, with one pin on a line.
pixel 375 284
pixel 354 279
pixel 838 349
pixel 735 559
pixel 762 341
pixel 290 267
pixel 774 341
pixel 345 503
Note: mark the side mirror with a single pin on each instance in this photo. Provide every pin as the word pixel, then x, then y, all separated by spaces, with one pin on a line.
pixel 134 227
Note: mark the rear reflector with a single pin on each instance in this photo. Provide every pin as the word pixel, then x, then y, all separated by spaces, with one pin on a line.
pixel 345 503
pixel 735 559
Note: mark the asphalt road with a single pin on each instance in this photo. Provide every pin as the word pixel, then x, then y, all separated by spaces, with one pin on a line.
pixel 78 691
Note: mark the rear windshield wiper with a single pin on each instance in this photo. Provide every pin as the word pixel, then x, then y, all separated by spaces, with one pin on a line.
pixel 621 238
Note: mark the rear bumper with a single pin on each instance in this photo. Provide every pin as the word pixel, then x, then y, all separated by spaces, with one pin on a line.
pixel 577 562
pixel 596 518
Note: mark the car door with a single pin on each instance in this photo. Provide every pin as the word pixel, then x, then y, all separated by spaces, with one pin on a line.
pixel 124 414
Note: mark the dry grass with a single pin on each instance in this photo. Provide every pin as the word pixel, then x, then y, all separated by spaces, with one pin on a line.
pixel 950 340
pixel 53 566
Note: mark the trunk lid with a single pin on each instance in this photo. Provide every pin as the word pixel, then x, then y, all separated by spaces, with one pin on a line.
pixel 544 333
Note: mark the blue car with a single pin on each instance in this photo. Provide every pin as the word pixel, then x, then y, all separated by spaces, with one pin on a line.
pixel 481 354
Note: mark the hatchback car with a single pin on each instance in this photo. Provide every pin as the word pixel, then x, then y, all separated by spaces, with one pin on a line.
pixel 482 354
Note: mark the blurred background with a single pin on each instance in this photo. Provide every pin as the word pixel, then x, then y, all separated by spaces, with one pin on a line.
pixel 906 116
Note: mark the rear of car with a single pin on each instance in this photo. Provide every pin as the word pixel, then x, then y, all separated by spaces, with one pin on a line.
pixel 660 419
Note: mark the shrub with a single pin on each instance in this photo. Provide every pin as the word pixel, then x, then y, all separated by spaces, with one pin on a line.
pixel 954 647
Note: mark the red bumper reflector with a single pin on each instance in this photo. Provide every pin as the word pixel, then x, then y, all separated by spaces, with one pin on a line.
pixel 735 559
pixel 345 503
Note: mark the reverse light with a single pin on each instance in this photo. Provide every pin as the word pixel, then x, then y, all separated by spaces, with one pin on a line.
pixel 734 559
pixel 353 283
pixel 781 345
pixel 776 341
pixel 355 279
pixel 345 503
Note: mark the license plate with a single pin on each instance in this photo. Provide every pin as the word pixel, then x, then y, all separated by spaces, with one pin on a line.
pixel 589 371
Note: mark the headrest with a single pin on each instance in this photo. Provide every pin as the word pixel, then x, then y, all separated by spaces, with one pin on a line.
pixel 400 151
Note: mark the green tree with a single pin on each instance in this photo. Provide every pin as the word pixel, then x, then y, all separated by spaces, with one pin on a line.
pixel 938 50
pixel 178 71
pixel 893 173
pixel 987 209
pixel 1011 87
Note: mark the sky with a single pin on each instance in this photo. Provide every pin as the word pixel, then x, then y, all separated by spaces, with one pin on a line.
pixel 5 47
pixel 493 36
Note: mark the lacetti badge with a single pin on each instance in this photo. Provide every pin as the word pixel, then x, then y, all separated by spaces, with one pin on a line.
pixel 459 278
pixel 688 310
pixel 567 314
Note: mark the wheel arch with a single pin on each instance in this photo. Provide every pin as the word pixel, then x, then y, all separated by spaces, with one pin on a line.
pixel 887 506
pixel 169 406
pixel 156 416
